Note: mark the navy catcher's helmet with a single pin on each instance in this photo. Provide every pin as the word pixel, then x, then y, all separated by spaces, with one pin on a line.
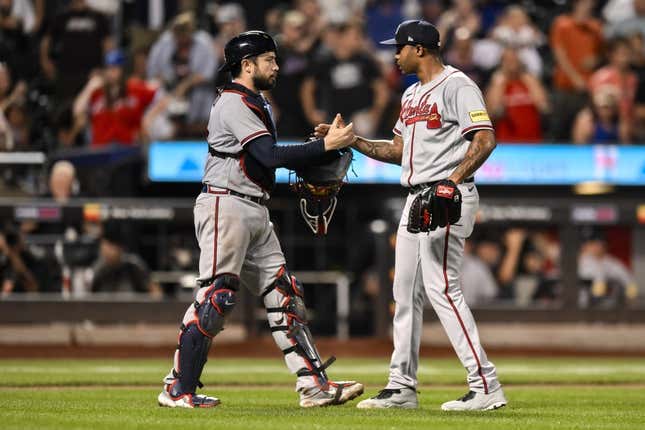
pixel 246 45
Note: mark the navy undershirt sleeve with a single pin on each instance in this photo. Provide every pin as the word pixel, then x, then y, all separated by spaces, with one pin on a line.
pixel 271 155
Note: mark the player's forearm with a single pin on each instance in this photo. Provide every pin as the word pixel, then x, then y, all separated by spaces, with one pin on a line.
pixel 480 148
pixel 271 155
pixel 381 150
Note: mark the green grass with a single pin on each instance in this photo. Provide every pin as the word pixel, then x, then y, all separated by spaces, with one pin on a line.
pixel 580 393
pixel 266 371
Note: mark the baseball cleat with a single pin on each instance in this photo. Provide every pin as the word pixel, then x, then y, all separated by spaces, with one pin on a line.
pixel 403 398
pixel 189 401
pixel 337 393
pixel 171 397
pixel 473 401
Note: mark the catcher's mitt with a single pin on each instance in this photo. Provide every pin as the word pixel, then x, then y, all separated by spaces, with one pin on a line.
pixel 435 206
pixel 317 186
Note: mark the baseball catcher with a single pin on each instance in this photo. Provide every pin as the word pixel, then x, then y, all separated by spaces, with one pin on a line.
pixel 238 245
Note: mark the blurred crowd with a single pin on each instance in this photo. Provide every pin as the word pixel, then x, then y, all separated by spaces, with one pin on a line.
pixel 509 267
pixel 72 258
pixel 515 264
pixel 522 267
pixel 90 73
pixel 73 268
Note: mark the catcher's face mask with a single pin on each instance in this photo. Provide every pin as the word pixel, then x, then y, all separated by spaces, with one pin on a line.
pixel 318 187
pixel 317 205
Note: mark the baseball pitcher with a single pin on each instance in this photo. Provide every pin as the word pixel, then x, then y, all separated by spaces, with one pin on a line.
pixel 236 238
pixel 442 136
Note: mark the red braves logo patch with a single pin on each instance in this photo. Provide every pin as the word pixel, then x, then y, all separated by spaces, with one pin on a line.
pixel 445 191
pixel 422 112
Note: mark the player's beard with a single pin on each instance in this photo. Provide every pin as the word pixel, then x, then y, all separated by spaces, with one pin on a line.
pixel 264 83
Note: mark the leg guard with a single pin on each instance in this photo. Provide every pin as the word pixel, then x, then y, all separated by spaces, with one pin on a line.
pixel 286 312
pixel 203 320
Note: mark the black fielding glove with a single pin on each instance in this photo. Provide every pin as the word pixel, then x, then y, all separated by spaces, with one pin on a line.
pixel 420 215
pixel 446 204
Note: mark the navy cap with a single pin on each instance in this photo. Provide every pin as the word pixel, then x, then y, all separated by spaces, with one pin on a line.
pixel 115 57
pixel 415 32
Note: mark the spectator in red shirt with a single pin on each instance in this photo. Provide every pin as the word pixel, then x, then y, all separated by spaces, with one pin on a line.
pixel 516 99
pixel 115 106
pixel 617 77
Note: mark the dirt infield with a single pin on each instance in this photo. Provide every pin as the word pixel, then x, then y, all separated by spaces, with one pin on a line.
pixel 264 347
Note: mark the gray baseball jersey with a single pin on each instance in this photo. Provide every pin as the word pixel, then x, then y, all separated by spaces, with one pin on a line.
pixel 436 121
pixel 233 123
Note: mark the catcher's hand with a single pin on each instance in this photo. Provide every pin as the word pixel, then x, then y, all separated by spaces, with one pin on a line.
pixel 436 206
pixel 339 135
pixel 321 130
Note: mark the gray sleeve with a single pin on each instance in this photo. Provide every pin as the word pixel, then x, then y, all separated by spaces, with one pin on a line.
pixel 470 110
pixel 243 123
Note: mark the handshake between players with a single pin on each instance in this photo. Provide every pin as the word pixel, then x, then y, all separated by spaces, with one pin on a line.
pixel 337 135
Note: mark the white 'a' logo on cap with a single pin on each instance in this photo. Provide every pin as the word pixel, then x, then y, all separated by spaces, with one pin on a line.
pixel 410 39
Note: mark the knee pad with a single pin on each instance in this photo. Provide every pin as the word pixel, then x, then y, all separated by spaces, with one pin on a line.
pixel 293 297
pixel 218 302
pixel 290 318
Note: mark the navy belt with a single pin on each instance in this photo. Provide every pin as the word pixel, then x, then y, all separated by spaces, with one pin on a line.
pixel 420 187
pixel 215 190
